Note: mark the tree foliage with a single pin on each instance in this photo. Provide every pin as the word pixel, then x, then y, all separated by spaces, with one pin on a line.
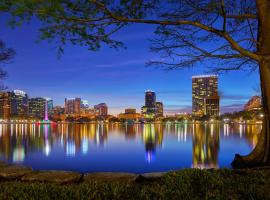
pixel 188 32
pixel 6 55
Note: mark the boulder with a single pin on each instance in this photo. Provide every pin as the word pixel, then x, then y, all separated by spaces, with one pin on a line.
pixel 110 176
pixel 60 177
pixel 9 172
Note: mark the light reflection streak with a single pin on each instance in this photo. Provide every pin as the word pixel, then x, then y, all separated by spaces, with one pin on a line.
pixel 16 141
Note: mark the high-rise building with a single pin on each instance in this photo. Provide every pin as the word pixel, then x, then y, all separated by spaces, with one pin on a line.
pixel 212 106
pixel 5 100
pixel 205 98
pixel 159 109
pixel 73 106
pixel 101 109
pixel 150 99
pixel 36 107
pixel 19 103
pixel 151 108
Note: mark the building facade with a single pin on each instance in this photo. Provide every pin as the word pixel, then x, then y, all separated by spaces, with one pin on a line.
pixel 205 98
pixel 5 101
pixel 73 106
pixel 150 99
pixel 19 104
pixel 37 107
pixel 101 109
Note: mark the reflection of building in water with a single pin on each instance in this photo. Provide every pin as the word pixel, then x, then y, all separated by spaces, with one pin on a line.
pixel 205 146
pixel 17 140
pixel 152 136
pixel 130 131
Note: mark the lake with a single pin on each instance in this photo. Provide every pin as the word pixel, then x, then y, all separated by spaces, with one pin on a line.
pixel 125 148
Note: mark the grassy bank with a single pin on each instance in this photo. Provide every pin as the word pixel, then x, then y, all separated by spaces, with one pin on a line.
pixel 184 184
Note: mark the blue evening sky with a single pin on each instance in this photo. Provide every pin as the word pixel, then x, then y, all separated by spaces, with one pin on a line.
pixel 118 78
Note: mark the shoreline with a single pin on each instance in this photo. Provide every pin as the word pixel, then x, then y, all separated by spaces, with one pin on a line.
pixel 251 183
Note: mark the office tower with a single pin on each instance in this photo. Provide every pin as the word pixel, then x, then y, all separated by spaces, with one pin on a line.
pixel 5 100
pixel 36 107
pixel 19 103
pixel 150 99
pixel 205 99
pixel 212 106
pixel 101 109
pixel 159 109
pixel 73 106
pixel 149 109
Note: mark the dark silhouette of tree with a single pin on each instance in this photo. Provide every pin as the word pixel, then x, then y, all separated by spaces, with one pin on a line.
pixel 225 34
pixel 6 55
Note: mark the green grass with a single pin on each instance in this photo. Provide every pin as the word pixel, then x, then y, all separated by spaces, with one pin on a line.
pixel 184 184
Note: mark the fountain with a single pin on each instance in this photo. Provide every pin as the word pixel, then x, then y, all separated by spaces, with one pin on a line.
pixel 46 118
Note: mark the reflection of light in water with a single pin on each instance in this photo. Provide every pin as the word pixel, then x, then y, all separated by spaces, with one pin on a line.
pixel 97 134
pixel 1 126
pixel 11 130
pixel 47 148
pixel 150 156
pixel 84 145
pixel 241 130
pixel 70 148
pixel 18 154
pixel 212 129
pixel 16 129
pixel 185 132
pixel 178 135
pixel 46 131
pixel 226 130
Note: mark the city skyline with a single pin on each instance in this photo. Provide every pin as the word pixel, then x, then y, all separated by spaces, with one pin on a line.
pixel 38 71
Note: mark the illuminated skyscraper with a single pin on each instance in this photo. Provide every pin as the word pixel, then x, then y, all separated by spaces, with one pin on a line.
pixel 37 107
pixel 73 106
pixel 19 103
pixel 5 99
pixel 101 109
pixel 205 99
pixel 150 99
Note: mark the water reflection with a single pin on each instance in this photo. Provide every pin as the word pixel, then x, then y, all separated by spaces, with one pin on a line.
pixel 19 142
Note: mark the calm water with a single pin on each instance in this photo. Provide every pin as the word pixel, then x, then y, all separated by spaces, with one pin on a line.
pixel 119 147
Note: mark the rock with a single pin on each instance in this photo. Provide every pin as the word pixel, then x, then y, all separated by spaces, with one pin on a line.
pixel 60 177
pixel 150 176
pixel 110 176
pixel 13 172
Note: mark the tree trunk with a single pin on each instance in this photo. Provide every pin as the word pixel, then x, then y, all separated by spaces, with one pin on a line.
pixel 260 156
